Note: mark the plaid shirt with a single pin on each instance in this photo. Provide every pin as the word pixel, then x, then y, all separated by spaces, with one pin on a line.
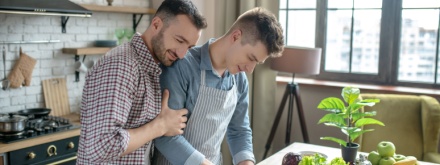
pixel 121 91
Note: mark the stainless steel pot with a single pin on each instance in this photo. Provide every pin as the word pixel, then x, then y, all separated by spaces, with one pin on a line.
pixel 12 123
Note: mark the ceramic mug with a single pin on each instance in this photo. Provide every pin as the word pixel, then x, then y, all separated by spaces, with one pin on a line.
pixel 80 67
pixel 91 63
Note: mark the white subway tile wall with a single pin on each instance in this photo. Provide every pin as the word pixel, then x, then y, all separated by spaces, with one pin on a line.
pixel 51 62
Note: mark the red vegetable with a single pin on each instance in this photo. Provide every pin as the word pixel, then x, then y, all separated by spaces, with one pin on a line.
pixel 291 159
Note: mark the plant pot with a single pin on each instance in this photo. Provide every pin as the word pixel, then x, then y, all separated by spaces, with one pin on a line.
pixel 349 152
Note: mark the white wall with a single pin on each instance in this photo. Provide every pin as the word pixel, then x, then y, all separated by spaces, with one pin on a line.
pixel 51 62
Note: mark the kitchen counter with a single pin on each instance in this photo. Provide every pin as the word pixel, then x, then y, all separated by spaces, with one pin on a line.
pixel 74 119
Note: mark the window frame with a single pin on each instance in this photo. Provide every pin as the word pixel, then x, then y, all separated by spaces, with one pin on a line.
pixel 389 48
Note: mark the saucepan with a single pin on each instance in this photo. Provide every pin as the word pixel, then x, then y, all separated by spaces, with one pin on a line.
pixel 12 123
pixel 34 112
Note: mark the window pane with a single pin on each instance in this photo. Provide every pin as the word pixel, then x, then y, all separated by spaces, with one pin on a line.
pixel 301 28
pixel 340 3
pixel 418 45
pixel 420 3
pixel 283 4
pixel 366 41
pixel 367 3
pixel 302 4
pixel 337 53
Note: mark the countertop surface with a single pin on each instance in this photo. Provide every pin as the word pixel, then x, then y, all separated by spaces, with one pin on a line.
pixel 74 119
pixel 330 152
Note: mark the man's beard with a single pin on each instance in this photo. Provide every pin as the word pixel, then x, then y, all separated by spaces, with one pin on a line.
pixel 159 49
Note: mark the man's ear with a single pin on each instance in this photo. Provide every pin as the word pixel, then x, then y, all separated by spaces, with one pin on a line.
pixel 236 35
pixel 156 23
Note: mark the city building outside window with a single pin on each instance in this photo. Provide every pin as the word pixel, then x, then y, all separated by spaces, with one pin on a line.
pixel 369 41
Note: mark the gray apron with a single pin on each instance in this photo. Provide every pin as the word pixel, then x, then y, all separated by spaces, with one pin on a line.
pixel 209 120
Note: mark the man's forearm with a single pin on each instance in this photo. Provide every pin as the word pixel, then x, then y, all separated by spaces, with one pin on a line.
pixel 140 136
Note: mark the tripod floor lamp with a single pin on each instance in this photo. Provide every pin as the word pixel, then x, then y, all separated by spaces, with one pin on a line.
pixel 295 60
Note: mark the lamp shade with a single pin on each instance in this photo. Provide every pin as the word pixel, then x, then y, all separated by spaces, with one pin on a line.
pixel 299 60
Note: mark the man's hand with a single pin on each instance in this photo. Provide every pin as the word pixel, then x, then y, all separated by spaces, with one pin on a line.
pixel 246 162
pixel 172 121
pixel 207 162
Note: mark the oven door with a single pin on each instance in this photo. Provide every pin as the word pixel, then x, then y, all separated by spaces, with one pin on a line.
pixel 66 160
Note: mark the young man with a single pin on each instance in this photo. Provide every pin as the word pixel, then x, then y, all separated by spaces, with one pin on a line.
pixel 121 109
pixel 211 83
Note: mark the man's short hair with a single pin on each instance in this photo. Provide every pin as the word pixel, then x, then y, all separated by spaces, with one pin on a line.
pixel 258 24
pixel 169 9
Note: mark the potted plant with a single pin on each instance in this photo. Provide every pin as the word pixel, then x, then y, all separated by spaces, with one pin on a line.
pixel 348 117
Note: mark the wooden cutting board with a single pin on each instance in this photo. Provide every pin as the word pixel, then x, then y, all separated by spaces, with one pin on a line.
pixel 55 96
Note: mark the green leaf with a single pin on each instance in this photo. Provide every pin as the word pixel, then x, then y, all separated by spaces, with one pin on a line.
pixel 340 141
pixel 355 135
pixel 318 159
pixel 367 121
pixel 371 113
pixel 370 101
pixel 350 130
pixel 358 115
pixel 332 118
pixel 355 107
pixel 332 104
pixel 362 103
pixel 350 94
pixel 335 125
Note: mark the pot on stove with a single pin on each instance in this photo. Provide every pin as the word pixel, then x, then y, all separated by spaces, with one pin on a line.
pixel 12 123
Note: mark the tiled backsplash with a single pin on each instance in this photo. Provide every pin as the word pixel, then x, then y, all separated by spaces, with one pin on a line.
pixel 51 62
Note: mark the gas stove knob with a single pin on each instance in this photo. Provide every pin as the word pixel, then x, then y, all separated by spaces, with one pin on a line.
pixel 31 155
pixel 39 129
pixel 30 132
pixel 71 145
pixel 47 129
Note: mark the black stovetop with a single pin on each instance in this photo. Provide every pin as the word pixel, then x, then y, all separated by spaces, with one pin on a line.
pixel 39 127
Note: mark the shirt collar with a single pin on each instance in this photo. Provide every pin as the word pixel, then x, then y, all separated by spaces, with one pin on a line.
pixel 205 59
pixel 145 57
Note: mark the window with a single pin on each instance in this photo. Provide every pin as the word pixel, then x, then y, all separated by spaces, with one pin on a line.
pixel 377 41
pixel 421 29
pixel 300 27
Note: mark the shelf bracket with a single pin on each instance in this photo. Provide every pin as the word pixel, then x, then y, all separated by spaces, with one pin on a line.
pixel 136 21
pixel 64 20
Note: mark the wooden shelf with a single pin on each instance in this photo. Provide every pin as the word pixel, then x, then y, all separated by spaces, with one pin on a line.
pixel 119 9
pixel 87 51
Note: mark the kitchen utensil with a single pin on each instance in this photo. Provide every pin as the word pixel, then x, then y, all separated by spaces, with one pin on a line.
pixel 12 123
pixel 34 112
pixel 5 81
pixel 55 96
pixel 80 67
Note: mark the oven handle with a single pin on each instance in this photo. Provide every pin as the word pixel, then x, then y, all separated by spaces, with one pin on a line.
pixel 63 161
